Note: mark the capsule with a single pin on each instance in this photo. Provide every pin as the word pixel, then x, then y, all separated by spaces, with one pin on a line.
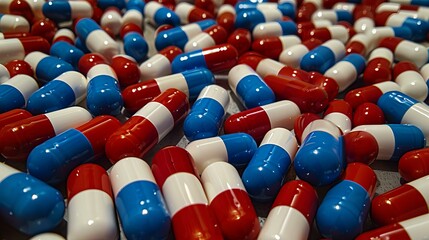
pixel 211 36
pixel 347 70
pixel 216 58
pixel 134 13
pixel 126 69
pixel 111 21
pixel 363 16
pixel 159 65
pixel 413 164
pixel 31 10
pixel 235 148
pixel 344 209
pixel 324 34
pixel 13 24
pixel 369 93
pixel 274 29
pixel 405 50
pixel 47 236
pixel 207 113
pixel 310 25
pixel 190 82
pixel 419 27
pixel 377 34
pixel 394 140
pixel 46 67
pixel 19 138
pixel 292 213
pixel 332 15
pixel 148 126
pixel 138 200
pixel 259 120
pixel 67 52
pixel 272 47
pixel 179 36
pixel 324 56
pixel 340 113
pixel 15 92
pixel 13 116
pixel 292 55
pixel 18 48
pixel 286 8
pixel 226 17
pixel 401 108
pixel 66 90
pixel 379 66
pixel 189 13
pixel 157 14
pixel 136 46
pixel 360 146
pixel 65 11
pixel 249 18
pixel 368 114
pixel 307 8
pixel 358 44
pixel 407 76
pixel 264 175
pixel 28 204
pixel 249 87
pixel 241 40
pixel 184 195
pixel 53 160
pixel 91 211
pixel 413 228
pixel 64 34
pixel 16 67
pixel 404 8
pixel 320 159
pixel 308 97
pixel 96 39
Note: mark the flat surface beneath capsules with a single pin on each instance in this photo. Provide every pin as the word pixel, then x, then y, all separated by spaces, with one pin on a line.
pixel 387 175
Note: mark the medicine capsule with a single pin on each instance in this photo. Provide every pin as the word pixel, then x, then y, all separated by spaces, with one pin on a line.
pixel 216 58
pixel 207 113
pixel 413 228
pixel 401 108
pixel 67 52
pixel 64 11
pixel 184 195
pixel 379 66
pixel 53 160
pixel 320 158
pixel 211 36
pixel 292 213
pixel 148 126
pixel 332 15
pixel 159 65
pixel 259 120
pixel 46 67
pixel 19 138
pixel 226 17
pixel 241 40
pixel 249 18
pixel 64 34
pixel 91 211
pixel 347 70
pixel 104 4
pixel 66 90
pixel 307 8
pixel 344 209
pixel 15 92
pixel 13 116
pixel 310 25
pixel 404 8
pixel 111 21
pixel 407 76
pixel 28 204
pixel 157 14
pixel 190 82
pixel 292 55
pixel 404 50
pixel 274 29
pixel 134 13
pixel 360 146
pixel 301 122
pixel 189 13
pixel 419 27
pixel 286 8
pixel 359 44
pixel 136 46
pixel 414 164
pixel 179 36
pixel 126 69
pixel 96 39
pixel 368 114
pixel 369 93
pixel 323 57
pixel 13 24
pixel 363 16
pixel 230 202
pixel 272 47
pixel 340 113
pixel 18 48
pixel 31 10
pixel 14 68
pixel 394 140
pixel 264 175
pixel 249 87
pixel 324 34
pixel 138 200
pixel 235 148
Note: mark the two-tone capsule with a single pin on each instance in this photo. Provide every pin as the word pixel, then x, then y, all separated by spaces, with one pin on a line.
pixel 157 14
pixel 46 67
pixel 405 50
pixel 407 76
pixel 15 92
pixel 347 70
pixel 378 68
pixel 324 56
pixel 159 65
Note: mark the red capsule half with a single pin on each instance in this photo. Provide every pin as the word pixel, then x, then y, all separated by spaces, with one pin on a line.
pixel 414 164
pixel 360 146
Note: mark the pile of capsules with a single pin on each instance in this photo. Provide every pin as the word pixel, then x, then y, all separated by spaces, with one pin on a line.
pixel 326 87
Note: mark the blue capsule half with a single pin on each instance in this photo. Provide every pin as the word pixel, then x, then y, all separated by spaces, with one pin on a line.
pixel 104 96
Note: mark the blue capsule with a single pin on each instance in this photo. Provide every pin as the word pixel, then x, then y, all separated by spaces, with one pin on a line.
pixel 14 93
pixel 324 56
pixel 64 11
pixel 47 68
pixel 103 4
pixel 136 46
pixel 158 14
pixel 67 52
pixel 248 19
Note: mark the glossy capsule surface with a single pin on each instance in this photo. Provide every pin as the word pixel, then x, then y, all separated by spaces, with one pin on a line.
pixel 46 67
pixel 15 92
pixel 159 65
pixel 323 57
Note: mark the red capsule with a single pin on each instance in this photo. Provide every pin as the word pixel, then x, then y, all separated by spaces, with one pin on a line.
pixel 226 17
pixel 13 116
pixel 189 13
pixel 14 35
pixel 130 27
pixel 241 40
pixel 358 44
pixel 414 164
pixel 340 113
pixel 64 34
pixel 126 69
pixel 369 93
pixel 360 146
pixel 45 28
pixel 328 84
pixel 306 10
pixel 379 65
pixel 30 10
pixel 301 123
pixel 273 46
pixel 207 5
pixel 89 60
pixel 16 67
pixel 368 113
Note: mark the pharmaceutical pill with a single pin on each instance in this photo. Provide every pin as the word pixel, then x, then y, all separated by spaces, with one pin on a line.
pixel 15 92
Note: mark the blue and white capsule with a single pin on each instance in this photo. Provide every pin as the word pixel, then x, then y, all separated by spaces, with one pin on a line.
pixel 96 39
pixel 376 34
pixel 65 11
pixel 419 27
pixel 13 23
pixel 235 148
pixel 134 13
pixel 46 67
pixel 207 113
pixel 264 175
pixel 103 91
pixel 332 15
pixel 248 19
pixel 28 204
pixel 103 4
pixel 139 201
pixel 15 92
pixel 179 36
pixel 274 29
pixel 401 108
pixel 320 159
pixel 346 71
pixel 286 8
pixel 324 56
pixel 135 45
pixel 158 14
pixel 394 140
pixel 67 52
pixel 249 87
pixel 66 90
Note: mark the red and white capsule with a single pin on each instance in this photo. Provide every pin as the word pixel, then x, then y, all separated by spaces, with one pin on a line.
pixel 324 34
pixel 307 8
pixel 111 21
pixel 359 44
pixel 407 76
pixel 403 8
pixel 231 204
pixel 159 65
pixel 405 50
pixel 174 171
pixel 292 213
pixel 90 203
pixel 189 13
pixel 272 47
pixel 241 40
pixel 292 56
pixel 226 17
pixel 13 23
pixel 379 66
pixel 370 93
pixel 18 48
pixel 340 113
pixel 64 34
pixel 211 36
